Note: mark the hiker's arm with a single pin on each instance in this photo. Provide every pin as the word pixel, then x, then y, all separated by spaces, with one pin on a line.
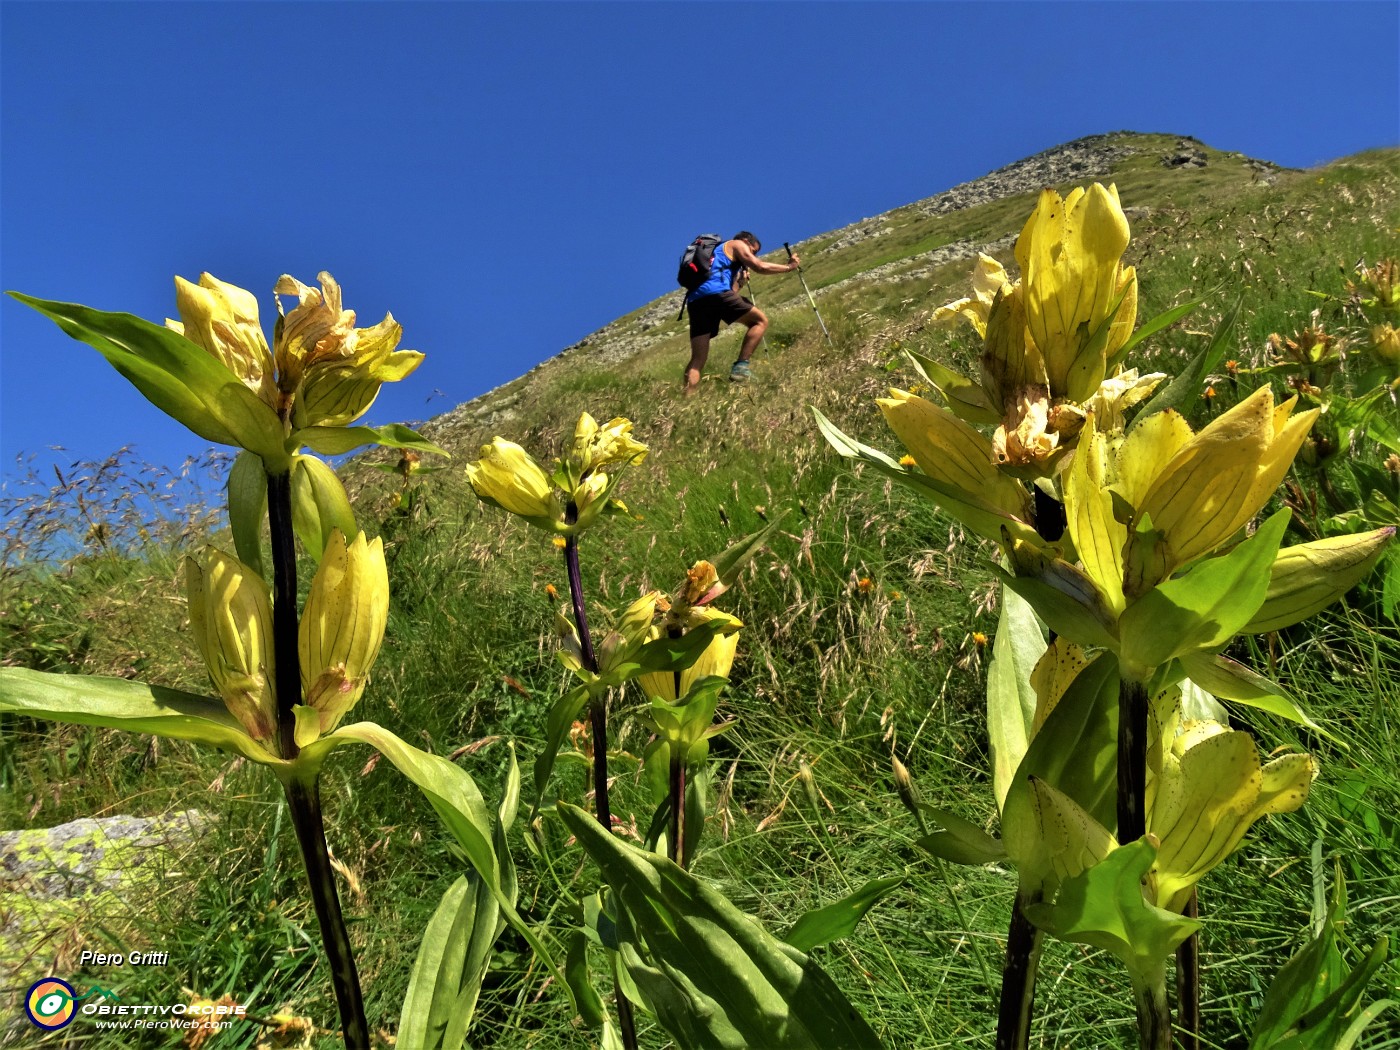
pixel 745 255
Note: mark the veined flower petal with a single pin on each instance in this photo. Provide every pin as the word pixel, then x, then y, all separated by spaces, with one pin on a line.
pixel 342 625
pixel 950 451
pixel 222 319
pixel 231 620
pixel 507 477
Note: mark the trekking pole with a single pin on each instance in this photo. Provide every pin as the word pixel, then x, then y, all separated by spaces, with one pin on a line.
pixel 809 297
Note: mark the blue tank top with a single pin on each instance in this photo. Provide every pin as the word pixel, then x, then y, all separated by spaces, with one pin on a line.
pixel 721 276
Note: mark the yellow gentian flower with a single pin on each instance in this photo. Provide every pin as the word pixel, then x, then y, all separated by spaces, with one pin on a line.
pixel 599 447
pixel 989 279
pixel 342 627
pixel 1070 252
pixel 716 660
pixel 222 319
pixel 336 368
pixel 506 476
pixel 1142 507
pixel 231 620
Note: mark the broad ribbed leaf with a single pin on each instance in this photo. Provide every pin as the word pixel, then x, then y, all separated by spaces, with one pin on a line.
pixel 333 441
pixel 712 975
pixel 1074 752
pixel 136 707
pixel 319 505
pixel 1019 643
pixel 840 918
pixel 1104 907
pixel 175 375
pixel 437 971
pixel 1202 609
pixel 1231 680
pixel 451 791
pixel 959 841
pixel 561 716
pixel 247 508
pixel 979 515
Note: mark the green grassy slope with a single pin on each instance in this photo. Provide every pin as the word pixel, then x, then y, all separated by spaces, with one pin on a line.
pixel 831 672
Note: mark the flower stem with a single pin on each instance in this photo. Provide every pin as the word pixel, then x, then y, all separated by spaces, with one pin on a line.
pixel 597 706
pixel 598 720
pixel 284 609
pixel 1153 1015
pixel 678 811
pixel 304 800
pixel 304 796
pixel 1132 760
pixel 1023 940
pixel 1188 982
pixel 1023 944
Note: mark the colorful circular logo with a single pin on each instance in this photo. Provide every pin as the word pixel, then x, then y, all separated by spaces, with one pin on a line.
pixel 50 1003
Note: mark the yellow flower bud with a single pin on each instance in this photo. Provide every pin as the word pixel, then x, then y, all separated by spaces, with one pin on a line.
pixel 231 619
pixel 1070 252
pixel 1386 340
pixel 1208 487
pixel 507 477
pixel 629 634
pixel 222 319
pixel 342 625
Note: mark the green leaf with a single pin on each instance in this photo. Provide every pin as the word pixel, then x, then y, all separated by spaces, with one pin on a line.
pixel 175 375
pixel 1019 643
pixel 455 797
pixel 977 514
pixel 135 707
pixel 1309 1005
pixel 247 508
pixel 1104 907
pixel 960 841
pixel 334 441
pixel 1201 610
pixel 561 716
pixel 737 555
pixel 1075 752
pixel 1187 384
pixel 437 970
pixel 1231 680
pixel 1165 319
pixel 1078 613
pixel 839 919
pixel 713 976
pixel 319 505
pixel 673 654
pixel 966 398
pixel 457 946
pixel 590 1003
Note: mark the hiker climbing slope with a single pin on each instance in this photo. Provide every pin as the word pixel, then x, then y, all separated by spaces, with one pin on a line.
pixel 717 301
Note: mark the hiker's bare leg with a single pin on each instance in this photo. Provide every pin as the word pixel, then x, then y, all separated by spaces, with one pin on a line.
pixel 757 323
pixel 699 353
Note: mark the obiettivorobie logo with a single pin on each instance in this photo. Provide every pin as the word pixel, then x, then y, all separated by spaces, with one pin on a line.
pixel 52 1004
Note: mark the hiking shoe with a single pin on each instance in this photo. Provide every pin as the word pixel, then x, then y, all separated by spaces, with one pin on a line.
pixel 740 373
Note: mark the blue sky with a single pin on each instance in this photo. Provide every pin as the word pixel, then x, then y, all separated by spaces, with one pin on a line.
pixel 509 177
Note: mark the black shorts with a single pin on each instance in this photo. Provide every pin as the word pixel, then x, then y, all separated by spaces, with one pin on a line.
pixel 707 312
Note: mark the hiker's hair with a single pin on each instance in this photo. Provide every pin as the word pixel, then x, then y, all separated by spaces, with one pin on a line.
pixel 745 235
